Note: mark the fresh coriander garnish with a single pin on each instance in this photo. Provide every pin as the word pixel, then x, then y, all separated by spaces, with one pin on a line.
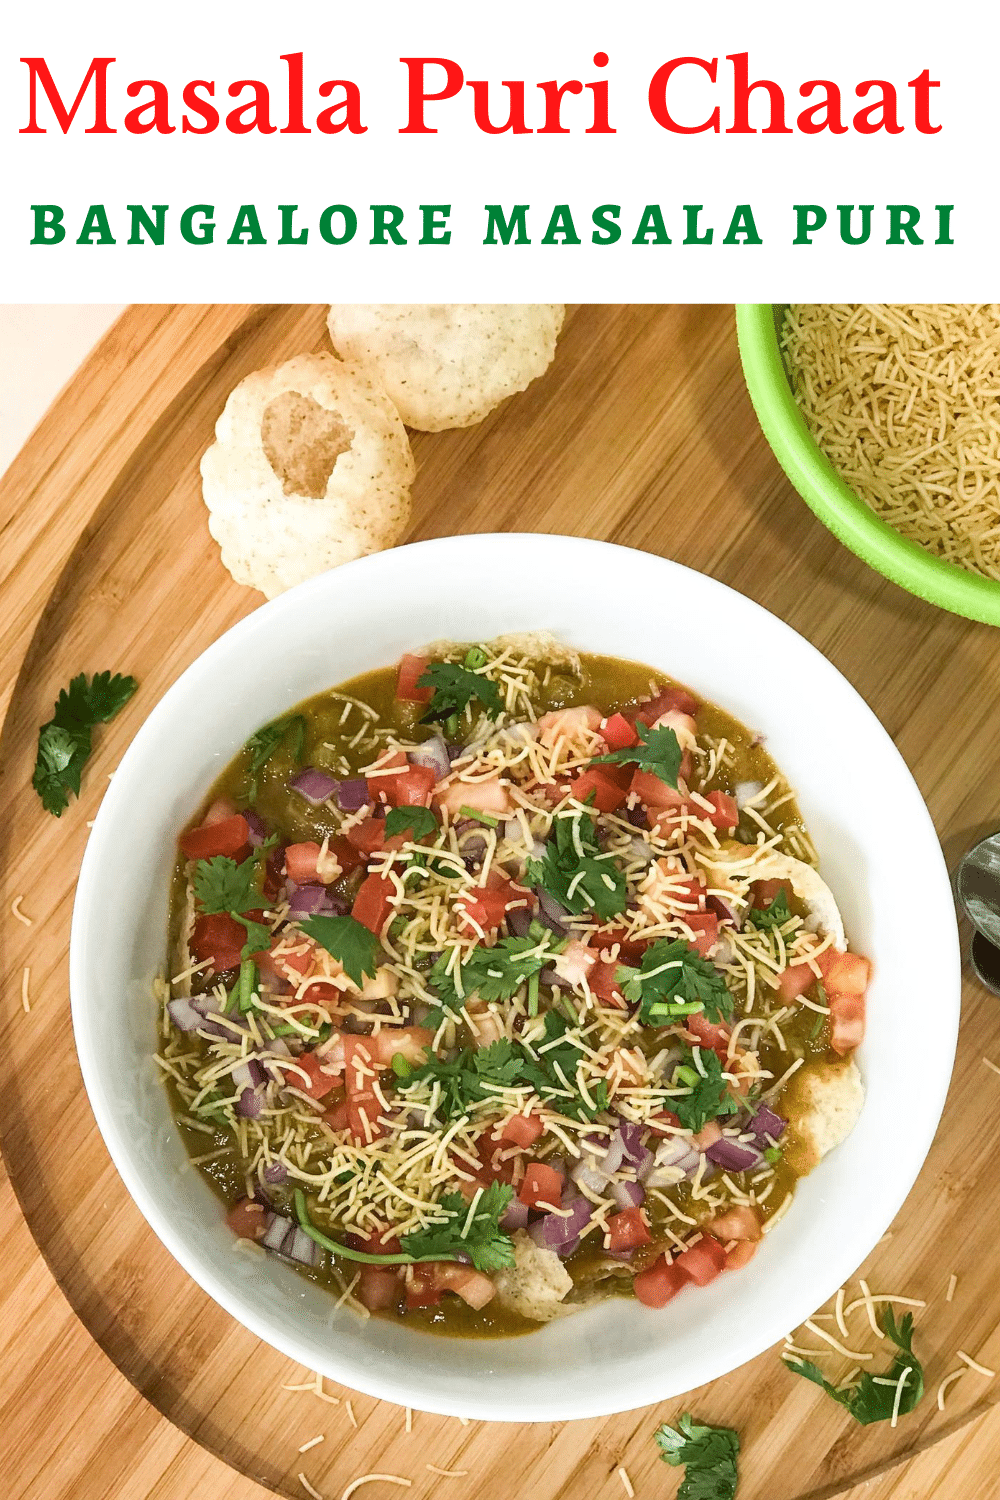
pixel 65 742
pixel 709 1456
pixel 495 973
pixel 775 915
pixel 419 822
pixel 709 1099
pixel 674 980
pixel 875 1397
pixel 478 1238
pixel 262 745
pixel 222 885
pixel 555 1069
pixel 258 935
pixel 573 875
pixel 657 752
pixel 351 944
pixel 454 689
pixel 462 1079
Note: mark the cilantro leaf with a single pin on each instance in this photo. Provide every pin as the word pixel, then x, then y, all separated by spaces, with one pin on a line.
pixel 462 1078
pixel 65 742
pixel 258 936
pixel 83 705
pixel 262 745
pixel 775 915
pixel 349 941
pixel 479 1237
pixel 672 980
pixel 867 1401
pixel 454 689
pixel 495 973
pixel 222 885
pixel 709 1456
pixel 709 1099
pixel 555 1069
pixel 658 752
pixel 59 764
pixel 420 822
pixel 579 882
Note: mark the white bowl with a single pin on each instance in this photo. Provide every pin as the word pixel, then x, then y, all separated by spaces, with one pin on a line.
pixel 877 847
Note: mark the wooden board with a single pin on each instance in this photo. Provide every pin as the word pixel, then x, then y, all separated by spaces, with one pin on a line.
pixel 641 433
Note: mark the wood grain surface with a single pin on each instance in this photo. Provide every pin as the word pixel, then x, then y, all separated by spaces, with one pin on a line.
pixel 118 1377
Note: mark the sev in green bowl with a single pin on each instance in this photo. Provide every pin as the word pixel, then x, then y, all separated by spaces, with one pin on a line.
pixel 852 521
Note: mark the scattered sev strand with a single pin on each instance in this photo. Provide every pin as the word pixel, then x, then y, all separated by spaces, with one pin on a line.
pixel 25 1000
pixel 946 1382
pixel 627 1485
pixel 350 1413
pixel 967 1359
pixel 308 1487
pixel 992 1066
pixel 949 1295
pixel 371 1479
pixel 321 1438
pixel 446 1473
pixel 17 913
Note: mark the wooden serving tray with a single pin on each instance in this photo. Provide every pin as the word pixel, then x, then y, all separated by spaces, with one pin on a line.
pixel 641 433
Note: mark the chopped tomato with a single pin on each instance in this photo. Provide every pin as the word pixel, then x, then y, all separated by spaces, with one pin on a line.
pixel 627 1230
pixel 542 1186
pixel 301 863
pixel 336 1117
pixel 618 733
pixel 522 1130
pixel 740 1255
pixel 409 1042
pixel 489 796
pixel 474 1287
pixel 247 1218
pixel 702 1262
pixel 660 1282
pixel 492 1167
pixel 363 1105
pixel 726 814
pixel 369 837
pixel 847 1022
pixel 707 1136
pixel 604 985
pixel 705 926
pixel 485 906
pixel 667 700
pixel 764 892
pixel 346 855
pixel 737 1223
pixel 662 1121
pixel 422 1288
pixel 630 949
pixel 693 893
pixel 219 939
pixel 372 905
pixel 221 809
pixel 654 792
pixel 795 980
pixel 320 1082
pixel 378 1287
pixel 708 1034
pixel 404 785
pixel 597 783
pixel 411 669
pixel 228 836
pixel 844 973
pixel 568 723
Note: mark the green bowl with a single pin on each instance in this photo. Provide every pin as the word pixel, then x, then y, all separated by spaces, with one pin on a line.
pixel 836 504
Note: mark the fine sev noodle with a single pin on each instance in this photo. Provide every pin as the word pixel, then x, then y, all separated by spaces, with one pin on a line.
pixel 905 402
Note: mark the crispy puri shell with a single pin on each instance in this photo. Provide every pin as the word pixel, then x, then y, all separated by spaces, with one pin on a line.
pixel 448 364
pixel 310 468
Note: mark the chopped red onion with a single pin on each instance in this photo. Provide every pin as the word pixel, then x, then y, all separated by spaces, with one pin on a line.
pixel 432 753
pixel 620 1254
pixel 307 900
pixel 248 1074
pixel 558 1231
pixel 184 1015
pixel 256 826
pixel 514 1216
pixel 614 1156
pixel 631 1135
pixel 637 816
pixel 314 785
pixel 735 1156
pixel 275 1172
pixel 353 794
pixel 302 1248
pixel 725 911
pixel 745 791
pixel 586 1175
pixel 552 913
pixel 628 1194
pixel 766 1123
pixel 275 1234
pixel 519 920
pixel 249 1104
pixel 455 752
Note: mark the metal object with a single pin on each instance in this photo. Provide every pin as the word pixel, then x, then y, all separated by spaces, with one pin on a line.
pixel 977 885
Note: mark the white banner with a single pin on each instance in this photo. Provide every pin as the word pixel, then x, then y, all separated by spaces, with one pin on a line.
pixel 518 152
